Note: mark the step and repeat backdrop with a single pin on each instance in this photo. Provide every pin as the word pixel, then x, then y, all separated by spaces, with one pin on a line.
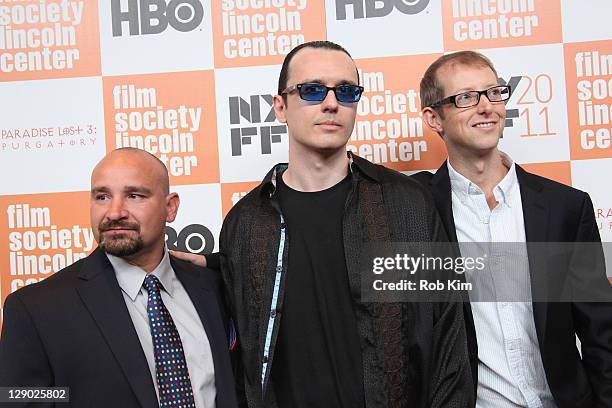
pixel 192 81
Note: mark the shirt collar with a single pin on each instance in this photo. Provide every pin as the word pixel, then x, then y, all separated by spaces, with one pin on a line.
pixel 459 183
pixel 131 277
pixel 505 188
pixel 356 165
pixel 509 183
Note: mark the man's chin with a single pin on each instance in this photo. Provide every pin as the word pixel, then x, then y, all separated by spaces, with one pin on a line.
pixel 331 148
pixel 122 248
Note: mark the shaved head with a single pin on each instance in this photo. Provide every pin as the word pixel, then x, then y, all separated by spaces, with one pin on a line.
pixel 150 162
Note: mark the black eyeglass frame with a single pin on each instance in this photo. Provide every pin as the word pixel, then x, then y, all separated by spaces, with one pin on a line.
pixel 298 87
pixel 453 98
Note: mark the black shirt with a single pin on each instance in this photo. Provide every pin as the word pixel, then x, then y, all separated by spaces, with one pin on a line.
pixel 317 361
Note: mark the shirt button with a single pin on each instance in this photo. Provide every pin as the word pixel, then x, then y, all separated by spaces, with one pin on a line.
pixel 273 313
pixel 265 360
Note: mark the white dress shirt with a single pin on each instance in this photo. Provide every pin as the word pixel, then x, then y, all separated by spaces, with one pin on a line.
pixel 510 369
pixel 186 319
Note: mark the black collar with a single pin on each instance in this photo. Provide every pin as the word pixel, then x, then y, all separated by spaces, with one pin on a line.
pixel 357 165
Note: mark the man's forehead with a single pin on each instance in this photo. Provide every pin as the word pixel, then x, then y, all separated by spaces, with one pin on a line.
pixel 460 76
pixel 322 65
pixel 121 172
pixel 129 161
pixel 129 168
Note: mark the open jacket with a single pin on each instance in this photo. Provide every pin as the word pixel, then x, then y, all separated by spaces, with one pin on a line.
pixel 74 330
pixel 414 354
pixel 553 212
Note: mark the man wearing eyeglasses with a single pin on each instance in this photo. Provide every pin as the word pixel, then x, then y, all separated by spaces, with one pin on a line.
pixel 527 354
pixel 290 254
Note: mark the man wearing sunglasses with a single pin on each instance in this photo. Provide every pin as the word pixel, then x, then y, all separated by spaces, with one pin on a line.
pixel 290 254
pixel 526 351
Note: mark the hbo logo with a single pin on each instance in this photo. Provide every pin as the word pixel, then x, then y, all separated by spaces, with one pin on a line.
pixel 194 238
pixel 153 16
pixel 378 8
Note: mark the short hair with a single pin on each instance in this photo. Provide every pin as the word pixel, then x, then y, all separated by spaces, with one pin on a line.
pixel 326 45
pixel 431 88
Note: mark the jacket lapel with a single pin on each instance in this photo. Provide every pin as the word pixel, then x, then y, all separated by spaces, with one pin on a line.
pixel 441 189
pixel 206 302
pixel 102 296
pixel 536 226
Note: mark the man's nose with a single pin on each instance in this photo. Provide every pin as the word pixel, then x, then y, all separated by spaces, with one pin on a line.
pixel 116 210
pixel 484 104
pixel 330 103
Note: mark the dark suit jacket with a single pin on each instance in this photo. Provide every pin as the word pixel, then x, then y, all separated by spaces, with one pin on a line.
pixel 553 212
pixel 74 329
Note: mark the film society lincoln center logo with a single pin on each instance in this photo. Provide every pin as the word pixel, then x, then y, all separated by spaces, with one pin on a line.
pixel 262 32
pixel 169 115
pixel 48 39
pixel 471 24
pixel 588 70
pixel 389 129
pixel 41 234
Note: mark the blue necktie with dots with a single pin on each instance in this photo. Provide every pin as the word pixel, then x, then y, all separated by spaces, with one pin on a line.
pixel 170 365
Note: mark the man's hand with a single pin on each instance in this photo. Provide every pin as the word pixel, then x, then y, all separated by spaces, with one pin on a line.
pixel 199 260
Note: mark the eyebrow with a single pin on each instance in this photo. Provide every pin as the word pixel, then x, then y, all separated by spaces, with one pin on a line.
pixel 321 81
pixel 137 189
pixel 126 189
pixel 464 90
pixel 97 190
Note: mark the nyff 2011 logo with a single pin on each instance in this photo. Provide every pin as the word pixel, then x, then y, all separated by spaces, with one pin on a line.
pixel 533 104
pixel 378 8
pixel 259 125
pixel 146 17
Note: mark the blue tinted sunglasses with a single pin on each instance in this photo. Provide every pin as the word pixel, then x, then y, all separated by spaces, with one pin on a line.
pixel 314 92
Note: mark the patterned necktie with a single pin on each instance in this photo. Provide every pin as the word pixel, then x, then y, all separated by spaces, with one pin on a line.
pixel 170 365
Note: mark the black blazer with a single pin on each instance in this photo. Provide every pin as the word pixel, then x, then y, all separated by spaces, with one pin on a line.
pixel 74 329
pixel 553 212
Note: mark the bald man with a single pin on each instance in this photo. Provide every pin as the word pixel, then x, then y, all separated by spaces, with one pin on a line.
pixel 129 325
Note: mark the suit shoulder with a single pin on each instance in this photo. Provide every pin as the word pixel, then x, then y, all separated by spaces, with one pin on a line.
pixel 189 267
pixel 393 177
pixel 554 187
pixel 211 276
pixel 423 177
pixel 405 185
